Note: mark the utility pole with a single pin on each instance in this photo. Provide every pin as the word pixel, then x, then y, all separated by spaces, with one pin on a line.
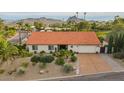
pixel 20 40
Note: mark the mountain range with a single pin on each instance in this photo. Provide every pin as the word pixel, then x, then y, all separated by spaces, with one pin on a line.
pixel 44 20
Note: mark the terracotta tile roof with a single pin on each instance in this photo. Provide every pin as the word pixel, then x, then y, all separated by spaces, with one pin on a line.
pixel 40 38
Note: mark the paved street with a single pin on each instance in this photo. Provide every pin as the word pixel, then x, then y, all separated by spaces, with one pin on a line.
pixel 112 76
pixel 16 38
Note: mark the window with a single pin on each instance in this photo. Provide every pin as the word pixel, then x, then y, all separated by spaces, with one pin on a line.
pixel 34 47
pixel 51 47
pixel 71 46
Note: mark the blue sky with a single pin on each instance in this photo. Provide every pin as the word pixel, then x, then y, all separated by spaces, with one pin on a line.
pixel 59 15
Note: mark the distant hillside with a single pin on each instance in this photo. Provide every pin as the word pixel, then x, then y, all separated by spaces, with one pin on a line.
pixel 74 19
pixel 44 20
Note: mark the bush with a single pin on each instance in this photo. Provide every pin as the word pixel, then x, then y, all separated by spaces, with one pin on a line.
pixel 2 71
pixel 42 52
pixel 25 64
pixel 60 61
pixel 21 70
pixel 46 59
pixel 56 54
pixel 119 55
pixel 51 52
pixel 73 58
pixel 62 53
pixel 25 53
pixel 67 68
pixel 35 59
pixel 72 53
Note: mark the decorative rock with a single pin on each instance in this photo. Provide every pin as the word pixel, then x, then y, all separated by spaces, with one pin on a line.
pixel 75 68
pixel 41 71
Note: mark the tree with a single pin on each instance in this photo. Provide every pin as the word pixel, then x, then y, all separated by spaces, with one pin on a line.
pixel 19 27
pixel 1 24
pixel 46 59
pixel 110 45
pixel 35 58
pixel 27 27
pixel 7 51
pixel 84 25
pixel 38 25
pixel 118 24
pixel 77 14
pixel 116 41
pixel 118 27
pixel 85 15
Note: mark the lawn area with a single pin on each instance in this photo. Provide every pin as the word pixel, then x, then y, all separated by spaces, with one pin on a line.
pixel 9 70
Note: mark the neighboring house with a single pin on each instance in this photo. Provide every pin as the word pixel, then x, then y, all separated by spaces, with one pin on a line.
pixel 81 42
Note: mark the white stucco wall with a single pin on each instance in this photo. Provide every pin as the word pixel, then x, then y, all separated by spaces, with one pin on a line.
pixel 84 48
pixel 41 48
pixel 76 48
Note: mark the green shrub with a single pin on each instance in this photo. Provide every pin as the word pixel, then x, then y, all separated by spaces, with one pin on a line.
pixel 2 71
pixel 42 52
pixel 62 53
pixel 67 68
pixel 25 64
pixel 51 52
pixel 73 58
pixel 35 59
pixel 119 55
pixel 71 53
pixel 25 53
pixel 46 59
pixel 60 61
pixel 21 70
pixel 56 54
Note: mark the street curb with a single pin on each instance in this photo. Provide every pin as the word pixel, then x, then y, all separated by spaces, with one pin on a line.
pixel 64 77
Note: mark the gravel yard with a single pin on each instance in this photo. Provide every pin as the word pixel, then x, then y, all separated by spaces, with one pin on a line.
pixel 33 72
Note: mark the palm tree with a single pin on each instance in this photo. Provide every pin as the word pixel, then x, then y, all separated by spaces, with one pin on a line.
pixel 28 28
pixel 7 51
pixel 19 27
pixel 85 15
pixel 77 14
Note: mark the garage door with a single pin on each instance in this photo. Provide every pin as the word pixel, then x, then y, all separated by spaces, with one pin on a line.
pixel 88 49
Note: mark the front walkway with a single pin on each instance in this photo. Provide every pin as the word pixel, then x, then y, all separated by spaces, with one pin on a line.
pixel 92 64
pixel 115 66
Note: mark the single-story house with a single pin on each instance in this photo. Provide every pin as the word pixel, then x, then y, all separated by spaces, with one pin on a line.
pixel 81 42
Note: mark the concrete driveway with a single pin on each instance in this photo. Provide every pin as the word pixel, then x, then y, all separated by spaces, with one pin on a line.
pixel 92 64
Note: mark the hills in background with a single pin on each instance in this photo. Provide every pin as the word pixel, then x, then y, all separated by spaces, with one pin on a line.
pixel 44 20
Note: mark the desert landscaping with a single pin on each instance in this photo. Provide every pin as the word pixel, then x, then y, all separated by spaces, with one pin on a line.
pixel 24 69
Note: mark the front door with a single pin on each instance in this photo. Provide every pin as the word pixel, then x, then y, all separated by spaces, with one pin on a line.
pixel 62 47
